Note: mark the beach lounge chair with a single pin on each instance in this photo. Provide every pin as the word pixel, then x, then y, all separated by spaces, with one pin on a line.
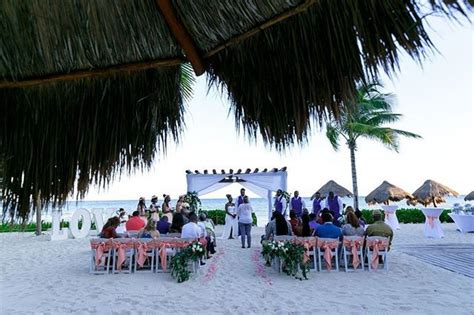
pixel 327 249
pixel 353 254
pixel 376 248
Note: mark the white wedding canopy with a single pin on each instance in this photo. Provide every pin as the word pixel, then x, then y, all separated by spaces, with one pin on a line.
pixel 263 183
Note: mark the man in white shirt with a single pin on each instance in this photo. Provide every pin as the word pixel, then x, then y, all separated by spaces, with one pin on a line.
pixel 191 229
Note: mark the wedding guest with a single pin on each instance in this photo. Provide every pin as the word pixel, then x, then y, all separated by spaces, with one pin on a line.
pixel 312 222
pixel 278 226
pixel 177 223
pixel 154 208
pixel 379 228
pixel 240 199
pixel 192 229
pixel 230 228
pixel 166 208
pixel 149 231
pixel 280 202
pixel 317 203
pixel 109 228
pixel 306 229
pixel 163 226
pixel 294 223
pixel 180 204
pixel 352 227
pixel 244 213
pixel 297 204
pixel 209 239
pixel 141 206
pixel 334 204
pixel 328 229
pixel 135 223
pixel 358 213
pixel 121 214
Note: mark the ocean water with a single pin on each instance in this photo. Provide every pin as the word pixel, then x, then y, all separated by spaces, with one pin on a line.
pixel 259 205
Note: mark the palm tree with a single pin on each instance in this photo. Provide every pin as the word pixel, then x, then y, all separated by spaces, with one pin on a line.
pixel 373 109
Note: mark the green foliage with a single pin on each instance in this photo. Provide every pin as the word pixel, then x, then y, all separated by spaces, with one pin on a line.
pixel 218 216
pixel 31 227
pixel 180 261
pixel 290 254
pixel 405 215
pixel 193 201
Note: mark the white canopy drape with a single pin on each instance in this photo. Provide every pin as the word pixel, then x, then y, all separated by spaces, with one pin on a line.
pixel 261 183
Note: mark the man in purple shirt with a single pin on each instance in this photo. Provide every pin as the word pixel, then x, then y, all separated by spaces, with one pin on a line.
pixel 297 204
pixel 317 203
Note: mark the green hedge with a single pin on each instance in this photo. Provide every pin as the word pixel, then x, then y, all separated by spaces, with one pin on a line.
pixel 218 216
pixel 31 227
pixel 408 216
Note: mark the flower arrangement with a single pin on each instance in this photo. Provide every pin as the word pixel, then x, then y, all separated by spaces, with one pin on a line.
pixel 193 201
pixel 290 254
pixel 180 261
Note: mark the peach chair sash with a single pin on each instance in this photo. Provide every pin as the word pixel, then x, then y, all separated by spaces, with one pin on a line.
pixel 121 247
pixel 100 247
pixel 307 243
pixel 354 245
pixel 328 246
pixel 163 245
pixel 376 245
pixel 142 248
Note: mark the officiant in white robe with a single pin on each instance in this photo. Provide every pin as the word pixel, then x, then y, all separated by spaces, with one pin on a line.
pixel 231 222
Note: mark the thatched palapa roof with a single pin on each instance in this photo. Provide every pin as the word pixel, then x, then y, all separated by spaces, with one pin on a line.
pixel 386 192
pixel 93 88
pixel 432 192
pixel 335 188
pixel 469 196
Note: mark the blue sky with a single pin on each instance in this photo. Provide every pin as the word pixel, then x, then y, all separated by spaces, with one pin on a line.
pixel 436 101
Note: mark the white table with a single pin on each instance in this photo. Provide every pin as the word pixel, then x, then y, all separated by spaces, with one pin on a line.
pixel 432 227
pixel 390 216
pixel 464 222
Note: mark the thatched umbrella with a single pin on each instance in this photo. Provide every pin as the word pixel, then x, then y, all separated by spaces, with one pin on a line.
pixel 432 192
pixel 91 89
pixel 335 188
pixel 469 196
pixel 385 193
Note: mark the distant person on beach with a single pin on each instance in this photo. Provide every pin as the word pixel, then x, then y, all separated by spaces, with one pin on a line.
pixel 297 204
pixel 244 213
pixel 154 208
pixel 180 204
pixel 280 202
pixel 141 206
pixel 328 229
pixel 149 231
pixel 379 228
pixel 278 226
pixel 166 208
pixel 334 204
pixel 135 223
pixel 163 226
pixel 352 226
pixel 230 228
pixel 240 198
pixel 317 203
pixel 109 228
pixel 177 224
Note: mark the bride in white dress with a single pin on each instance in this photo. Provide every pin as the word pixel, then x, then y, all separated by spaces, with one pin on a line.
pixel 230 228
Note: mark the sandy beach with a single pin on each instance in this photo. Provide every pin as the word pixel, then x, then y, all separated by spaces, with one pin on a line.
pixel 41 276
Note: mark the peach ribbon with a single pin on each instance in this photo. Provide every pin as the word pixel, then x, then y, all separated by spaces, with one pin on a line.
pixel 376 246
pixel 164 245
pixel 142 248
pixel 307 243
pixel 100 248
pixel 431 220
pixel 120 248
pixel 354 246
pixel 328 246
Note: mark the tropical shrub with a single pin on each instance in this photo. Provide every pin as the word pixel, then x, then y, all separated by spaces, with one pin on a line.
pixel 218 216
pixel 408 216
pixel 180 261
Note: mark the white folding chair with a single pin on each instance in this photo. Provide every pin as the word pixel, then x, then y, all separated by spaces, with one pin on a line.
pixel 332 245
pixel 127 245
pixel 106 261
pixel 145 245
pixel 348 242
pixel 312 251
pixel 377 245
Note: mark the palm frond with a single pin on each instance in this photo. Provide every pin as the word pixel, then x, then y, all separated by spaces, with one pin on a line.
pixel 333 136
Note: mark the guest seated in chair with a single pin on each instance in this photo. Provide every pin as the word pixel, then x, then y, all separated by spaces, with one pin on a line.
pixel 205 233
pixel 163 226
pixel 178 223
pixel 312 222
pixel 328 229
pixel 278 226
pixel 305 228
pixel 108 231
pixel 135 223
pixel 192 229
pixel 149 231
pixel 352 227
pixel 358 213
pixel 379 228
pixel 295 223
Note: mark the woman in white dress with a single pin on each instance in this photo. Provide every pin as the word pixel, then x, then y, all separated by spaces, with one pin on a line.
pixel 230 228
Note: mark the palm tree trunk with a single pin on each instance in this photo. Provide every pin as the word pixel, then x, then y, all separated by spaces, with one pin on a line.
pixel 38 214
pixel 354 177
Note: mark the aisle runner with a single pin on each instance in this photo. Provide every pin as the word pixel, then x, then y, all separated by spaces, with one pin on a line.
pixel 260 268
pixel 453 257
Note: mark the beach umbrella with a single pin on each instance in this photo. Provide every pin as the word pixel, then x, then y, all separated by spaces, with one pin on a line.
pixel 385 193
pixel 431 192
pixel 335 188
pixel 469 196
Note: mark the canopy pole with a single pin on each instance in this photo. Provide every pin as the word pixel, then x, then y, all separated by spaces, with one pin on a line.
pixel 181 35
pixel 269 197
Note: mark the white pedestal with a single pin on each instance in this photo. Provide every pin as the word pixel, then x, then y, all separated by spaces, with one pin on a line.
pixel 432 227
pixel 390 216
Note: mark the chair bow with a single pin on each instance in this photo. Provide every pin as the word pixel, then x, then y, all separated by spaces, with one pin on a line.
pixel 100 248
pixel 307 244
pixel 376 246
pixel 120 248
pixel 354 245
pixel 328 246
pixel 142 255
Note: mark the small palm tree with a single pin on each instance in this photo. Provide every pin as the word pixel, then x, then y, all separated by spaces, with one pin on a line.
pixel 373 109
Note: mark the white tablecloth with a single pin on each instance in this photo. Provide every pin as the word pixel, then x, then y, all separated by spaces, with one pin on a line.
pixel 391 217
pixel 464 222
pixel 432 224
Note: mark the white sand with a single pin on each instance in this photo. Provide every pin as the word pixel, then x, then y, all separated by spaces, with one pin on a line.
pixel 52 277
